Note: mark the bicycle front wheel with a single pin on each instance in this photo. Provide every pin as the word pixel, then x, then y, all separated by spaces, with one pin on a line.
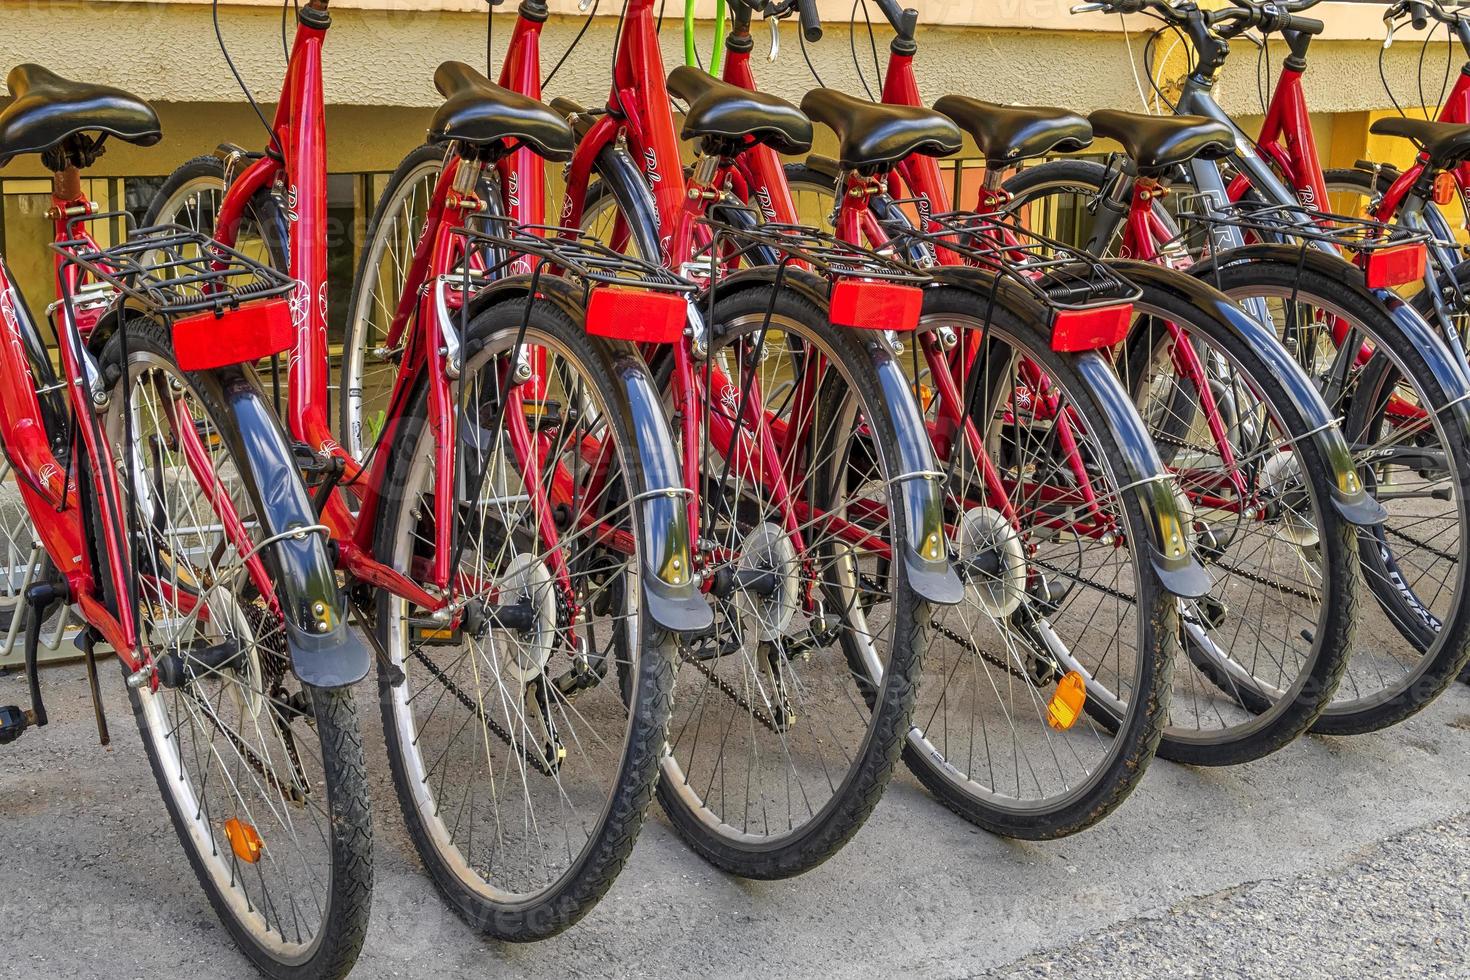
pixel 263 776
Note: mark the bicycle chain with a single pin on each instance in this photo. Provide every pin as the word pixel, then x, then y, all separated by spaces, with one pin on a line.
pixel 1089 583
pixel 725 688
pixel 984 655
pixel 291 794
pixel 1425 545
pixel 1232 569
pixel 491 725
pixel 1263 580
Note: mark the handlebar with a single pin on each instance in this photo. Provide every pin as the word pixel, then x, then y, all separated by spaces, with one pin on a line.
pixel 1279 16
pixel 1421 12
pixel 811 24
pixel 903 20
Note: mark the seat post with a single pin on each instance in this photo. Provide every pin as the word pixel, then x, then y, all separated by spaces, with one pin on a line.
pixel 66 183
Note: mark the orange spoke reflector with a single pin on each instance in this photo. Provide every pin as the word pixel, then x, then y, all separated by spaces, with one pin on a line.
pixel 244 841
pixel 1066 704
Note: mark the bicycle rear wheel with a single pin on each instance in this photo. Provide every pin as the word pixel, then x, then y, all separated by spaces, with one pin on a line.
pixel 263 776
pixel 792 710
pixel 524 741
pixel 1409 640
pixel 1057 595
pixel 1266 648
pixel 1414 455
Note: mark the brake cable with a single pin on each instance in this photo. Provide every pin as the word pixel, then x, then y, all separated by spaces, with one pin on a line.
pixel 573 46
pixel 872 42
pixel 239 80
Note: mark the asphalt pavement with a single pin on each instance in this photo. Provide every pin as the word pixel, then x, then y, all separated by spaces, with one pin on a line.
pixel 1336 857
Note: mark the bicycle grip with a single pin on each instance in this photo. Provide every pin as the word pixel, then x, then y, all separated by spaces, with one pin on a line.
pixel 1418 16
pixel 1302 25
pixel 811 24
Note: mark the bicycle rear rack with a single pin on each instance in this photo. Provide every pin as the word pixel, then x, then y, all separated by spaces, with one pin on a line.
pixel 223 307
pixel 1389 255
pixel 870 289
pixel 1088 304
pixel 775 243
pixel 625 297
pixel 570 251
pixel 1057 275
pixel 172 271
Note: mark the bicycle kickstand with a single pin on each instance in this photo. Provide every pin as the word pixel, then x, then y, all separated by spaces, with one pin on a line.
pixel 39 600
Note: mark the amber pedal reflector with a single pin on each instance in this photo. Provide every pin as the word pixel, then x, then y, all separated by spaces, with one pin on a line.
pixel 244 841
pixel 868 304
pixel 1067 701
pixel 1097 328
pixel 643 316
pixel 1385 268
pixel 242 336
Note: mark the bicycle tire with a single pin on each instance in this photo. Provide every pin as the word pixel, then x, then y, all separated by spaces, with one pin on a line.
pixel 1413 690
pixel 647 684
pixel 343 768
pixel 971 786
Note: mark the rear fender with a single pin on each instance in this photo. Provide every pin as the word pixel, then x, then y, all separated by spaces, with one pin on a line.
pixel 671 596
pixel 1139 469
pixel 1349 497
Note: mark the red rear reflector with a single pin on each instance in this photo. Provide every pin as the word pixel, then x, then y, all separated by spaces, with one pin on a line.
pixel 640 315
pixel 870 304
pixel 1393 266
pixel 1444 187
pixel 1095 328
pixel 257 330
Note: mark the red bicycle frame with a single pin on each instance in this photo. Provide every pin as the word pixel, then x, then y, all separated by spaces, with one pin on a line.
pixel 47 488
pixel 640 111
pixel 1286 141
pixel 296 171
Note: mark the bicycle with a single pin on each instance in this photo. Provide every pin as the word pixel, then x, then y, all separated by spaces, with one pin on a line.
pixel 519 551
pixel 1415 198
pixel 1232 700
pixel 1349 332
pixel 811 668
pixel 168 504
pixel 1019 658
